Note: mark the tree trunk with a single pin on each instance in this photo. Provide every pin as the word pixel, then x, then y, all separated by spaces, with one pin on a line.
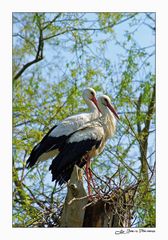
pixel 73 212
pixel 79 211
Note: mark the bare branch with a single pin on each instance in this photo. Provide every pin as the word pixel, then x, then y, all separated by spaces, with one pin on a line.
pixel 52 21
pixel 39 56
pixel 149 16
pixel 89 29
pixel 151 109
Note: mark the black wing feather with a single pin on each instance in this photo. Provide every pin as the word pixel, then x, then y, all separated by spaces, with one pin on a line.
pixel 73 153
pixel 47 144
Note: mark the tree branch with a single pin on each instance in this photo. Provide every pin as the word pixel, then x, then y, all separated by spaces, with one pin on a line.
pixel 138 105
pixel 52 21
pixel 39 56
pixel 90 29
pixel 150 110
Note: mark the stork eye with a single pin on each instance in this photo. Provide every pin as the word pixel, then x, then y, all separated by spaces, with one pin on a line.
pixel 106 101
pixel 92 93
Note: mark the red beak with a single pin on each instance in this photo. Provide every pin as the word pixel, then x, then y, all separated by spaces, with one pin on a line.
pixel 94 100
pixel 113 110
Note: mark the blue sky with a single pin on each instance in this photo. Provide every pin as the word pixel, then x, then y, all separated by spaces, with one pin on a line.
pixel 143 38
pixel 113 51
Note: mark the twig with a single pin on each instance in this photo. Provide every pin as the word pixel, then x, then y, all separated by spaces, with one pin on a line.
pixel 39 56
pixel 76 199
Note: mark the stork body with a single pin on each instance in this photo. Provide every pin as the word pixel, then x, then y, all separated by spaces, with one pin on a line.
pixel 87 142
pixel 54 141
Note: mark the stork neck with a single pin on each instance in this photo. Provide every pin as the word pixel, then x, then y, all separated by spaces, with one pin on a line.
pixel 109 122
pixel 91 106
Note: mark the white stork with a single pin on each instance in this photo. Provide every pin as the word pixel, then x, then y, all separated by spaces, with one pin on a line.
pixel 85 143
pixel 54 140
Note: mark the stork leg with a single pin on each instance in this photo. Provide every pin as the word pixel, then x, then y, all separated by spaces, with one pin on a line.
pixel 94 185
pixel 89 177
pixel 88 174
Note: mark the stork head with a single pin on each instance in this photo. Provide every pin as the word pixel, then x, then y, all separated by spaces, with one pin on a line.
pixel 89 94
pixel 104 102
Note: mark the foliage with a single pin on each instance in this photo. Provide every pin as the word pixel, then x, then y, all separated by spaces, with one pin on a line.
pixel 55 55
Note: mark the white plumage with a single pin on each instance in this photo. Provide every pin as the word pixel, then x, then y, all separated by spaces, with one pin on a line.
pixel 87 142
pixel 99 128
pixel 55 139
pixel 72 123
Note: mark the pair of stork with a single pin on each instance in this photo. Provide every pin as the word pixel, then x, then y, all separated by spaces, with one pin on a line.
pixel 77 139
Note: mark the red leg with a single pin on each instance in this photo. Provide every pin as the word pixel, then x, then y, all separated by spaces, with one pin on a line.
pixel 91 177
pixel 88 175
pixel 93 182
pixel 90 172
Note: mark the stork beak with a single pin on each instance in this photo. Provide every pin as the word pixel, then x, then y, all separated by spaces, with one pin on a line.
pixel 94 100
pixel 113 110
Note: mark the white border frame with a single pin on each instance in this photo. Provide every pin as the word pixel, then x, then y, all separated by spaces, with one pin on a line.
pixel 7 8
